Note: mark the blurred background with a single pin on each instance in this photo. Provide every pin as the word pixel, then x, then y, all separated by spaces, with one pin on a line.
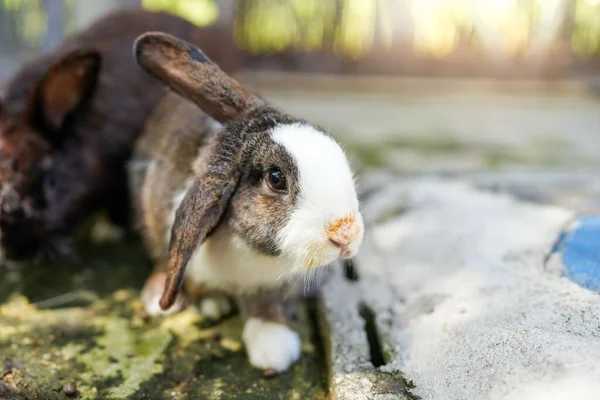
pixel 412 85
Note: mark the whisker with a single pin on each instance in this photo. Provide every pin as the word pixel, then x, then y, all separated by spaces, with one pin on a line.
pixel 319 276
pixel 313 274
pixel 305 276
pixel 294 286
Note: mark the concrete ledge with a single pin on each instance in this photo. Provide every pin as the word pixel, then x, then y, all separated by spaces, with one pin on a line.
pixel 460 300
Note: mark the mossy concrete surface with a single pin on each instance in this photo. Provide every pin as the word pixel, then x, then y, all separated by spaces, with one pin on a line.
pixel 84 323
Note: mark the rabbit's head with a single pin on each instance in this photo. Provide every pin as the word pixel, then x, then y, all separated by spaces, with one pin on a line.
pixel 281 185
pixel 32 134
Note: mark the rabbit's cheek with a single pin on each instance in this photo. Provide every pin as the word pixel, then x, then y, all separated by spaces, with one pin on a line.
pixel 320 254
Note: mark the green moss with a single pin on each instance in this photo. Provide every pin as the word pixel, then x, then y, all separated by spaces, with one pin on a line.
pixel 391 213
pixel 123 358
pixel 429 145
pixel 365 155
pixel 89 330
pixel 542 152
pixel 207 369
pixel 362 157
pixel 498 157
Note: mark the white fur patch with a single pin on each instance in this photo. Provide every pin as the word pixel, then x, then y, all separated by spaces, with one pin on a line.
pixel 327 194
pixel 271 345
pixel 225 261
pixel 215 307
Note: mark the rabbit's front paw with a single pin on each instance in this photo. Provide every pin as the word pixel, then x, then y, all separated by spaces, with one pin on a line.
pixel 104 231
pixel 270 345
pixel 152 292
pixel 215 307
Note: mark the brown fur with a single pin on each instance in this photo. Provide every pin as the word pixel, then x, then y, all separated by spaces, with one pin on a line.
pixel 178 65
pixel 173 135
pixel 69 122
pixel 266 306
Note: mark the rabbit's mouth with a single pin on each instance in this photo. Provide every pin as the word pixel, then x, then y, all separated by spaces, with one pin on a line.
pixel 345 250
pixel 20 226
pixel 23 243
pixel 17 242
pixel 345 254
pixel 321 254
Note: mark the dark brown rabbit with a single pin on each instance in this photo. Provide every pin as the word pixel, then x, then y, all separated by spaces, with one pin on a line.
pixel 68 121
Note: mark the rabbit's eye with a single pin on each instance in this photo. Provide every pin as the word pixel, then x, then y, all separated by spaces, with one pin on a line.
pixel 276 180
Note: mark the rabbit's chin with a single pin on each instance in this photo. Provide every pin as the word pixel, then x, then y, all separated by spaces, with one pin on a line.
pixel 302 261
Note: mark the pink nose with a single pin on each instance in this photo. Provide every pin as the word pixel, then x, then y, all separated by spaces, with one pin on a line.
pixel 339 244
pixel 342 232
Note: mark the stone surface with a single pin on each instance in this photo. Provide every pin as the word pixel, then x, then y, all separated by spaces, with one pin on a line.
pixel 352 374
pixel 455 274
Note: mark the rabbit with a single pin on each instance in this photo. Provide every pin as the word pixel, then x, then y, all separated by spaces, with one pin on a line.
pixel 68 123
pixel 240 200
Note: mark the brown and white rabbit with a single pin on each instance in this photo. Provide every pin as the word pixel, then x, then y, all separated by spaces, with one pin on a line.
pixel 239 199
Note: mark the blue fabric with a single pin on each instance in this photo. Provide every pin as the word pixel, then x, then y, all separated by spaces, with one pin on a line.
pixel 580 253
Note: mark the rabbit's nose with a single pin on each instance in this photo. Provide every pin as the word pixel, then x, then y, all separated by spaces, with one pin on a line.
pixel 342 232
pixel 342 246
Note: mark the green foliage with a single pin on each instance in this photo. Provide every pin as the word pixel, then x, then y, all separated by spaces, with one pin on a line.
pixel 25 21
pixel 350 28
pixel 585 39
pixel 199 12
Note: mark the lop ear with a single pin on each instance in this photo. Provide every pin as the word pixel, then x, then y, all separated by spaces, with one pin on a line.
pixel 189 72
pixel 201 210
pixel 67 85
